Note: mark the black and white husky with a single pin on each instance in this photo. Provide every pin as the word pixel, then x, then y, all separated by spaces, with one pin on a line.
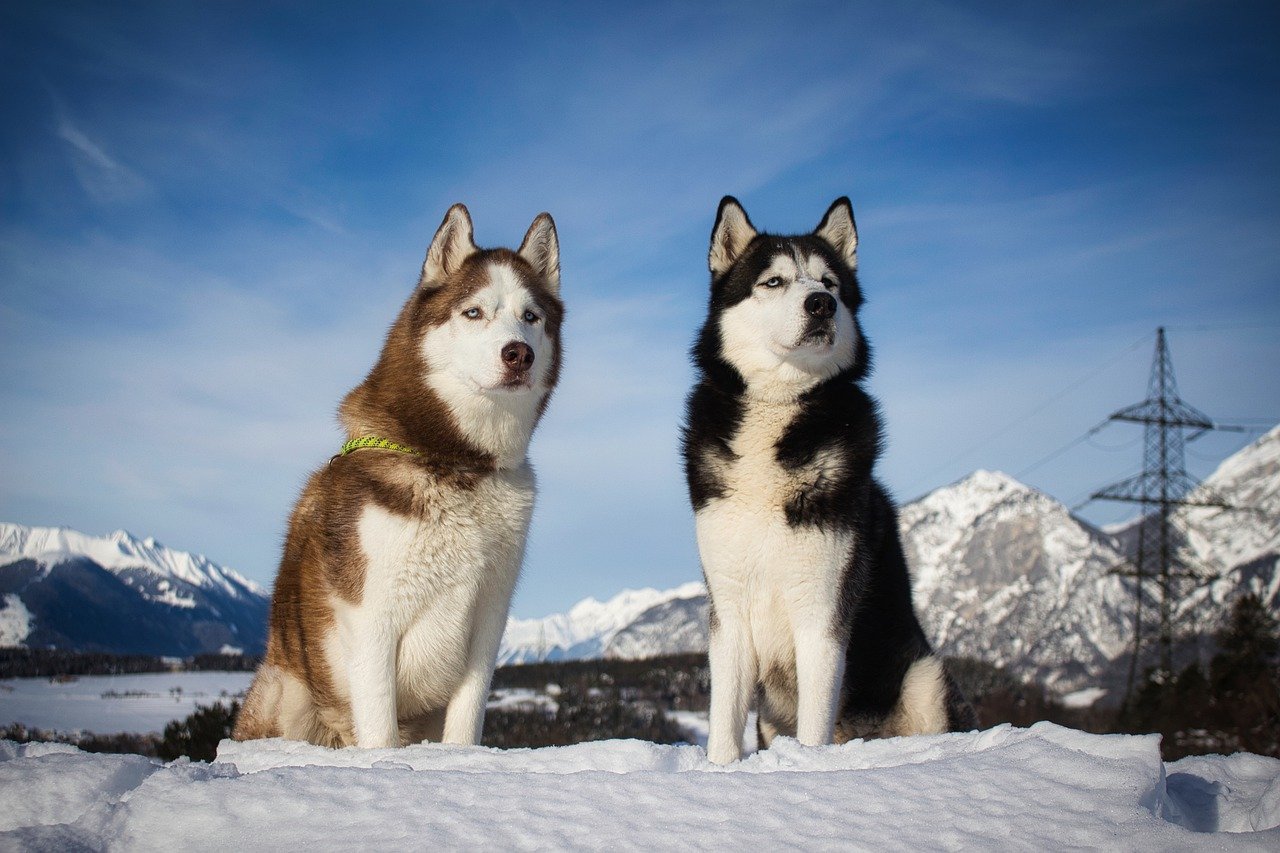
pixel 810 596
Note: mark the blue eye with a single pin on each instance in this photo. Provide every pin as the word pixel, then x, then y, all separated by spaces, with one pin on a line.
pixel 472 313
pixel 772 282
pixel 530 317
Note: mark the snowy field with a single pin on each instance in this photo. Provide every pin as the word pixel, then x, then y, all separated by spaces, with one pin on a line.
pixel 146 703
pixel 107 704
pixel 1044 788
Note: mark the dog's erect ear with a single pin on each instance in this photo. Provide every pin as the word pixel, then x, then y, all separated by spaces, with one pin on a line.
pixel 731 234
pixel 838 229
pixel 541 248
pixel 452 245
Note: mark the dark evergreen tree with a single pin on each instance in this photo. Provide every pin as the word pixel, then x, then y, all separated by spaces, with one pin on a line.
pixel 198 735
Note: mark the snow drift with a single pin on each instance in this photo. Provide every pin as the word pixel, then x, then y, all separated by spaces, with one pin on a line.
pixel 1041 788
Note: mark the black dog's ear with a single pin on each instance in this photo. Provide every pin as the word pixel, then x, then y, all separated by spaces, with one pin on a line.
pixel 731 234
pixel 838 229
pixel 452 245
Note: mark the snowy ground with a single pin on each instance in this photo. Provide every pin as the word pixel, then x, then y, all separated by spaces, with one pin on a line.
pixel 107 704
pixel 146 703
pixel 1039 788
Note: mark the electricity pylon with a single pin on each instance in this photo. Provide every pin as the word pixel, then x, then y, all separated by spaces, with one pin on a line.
pixel 1160 489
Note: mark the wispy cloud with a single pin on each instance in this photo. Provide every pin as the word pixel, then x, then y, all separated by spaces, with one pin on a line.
pixel 103 178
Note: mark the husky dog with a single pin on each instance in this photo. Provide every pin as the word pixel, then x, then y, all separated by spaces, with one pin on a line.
pixel 403 551
pixel 810 597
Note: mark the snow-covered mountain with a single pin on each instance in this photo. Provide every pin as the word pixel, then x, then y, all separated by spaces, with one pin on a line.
pixel 1002 572
pixel 1006 574
pixel 1242 545
pixel 597 629
pixel 121 594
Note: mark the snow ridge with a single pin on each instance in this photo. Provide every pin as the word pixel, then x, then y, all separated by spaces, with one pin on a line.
pixel 1004 788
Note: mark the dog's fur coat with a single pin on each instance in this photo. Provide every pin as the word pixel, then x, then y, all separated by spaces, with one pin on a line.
pixel 398 569
pixel 811 599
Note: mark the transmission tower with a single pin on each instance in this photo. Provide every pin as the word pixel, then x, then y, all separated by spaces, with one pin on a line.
pixel 1160 489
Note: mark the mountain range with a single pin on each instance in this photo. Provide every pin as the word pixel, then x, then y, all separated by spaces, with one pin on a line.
pixel 123 595
pixel 1002 572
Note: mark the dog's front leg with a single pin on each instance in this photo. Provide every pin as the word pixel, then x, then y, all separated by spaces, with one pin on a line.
pixel 819 675
pixel 733 678
pixel 464 718
pixel 371 674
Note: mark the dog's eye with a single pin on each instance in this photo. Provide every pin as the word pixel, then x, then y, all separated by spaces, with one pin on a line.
pixel 530 317
pixel 472 313
pixel 830 281
pixel 771 282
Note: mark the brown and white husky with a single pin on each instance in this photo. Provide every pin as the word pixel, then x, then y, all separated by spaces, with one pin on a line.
pixel 403 552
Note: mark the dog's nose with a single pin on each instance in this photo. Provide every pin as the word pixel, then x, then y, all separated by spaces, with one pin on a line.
pixel 517 356
pixel 820 305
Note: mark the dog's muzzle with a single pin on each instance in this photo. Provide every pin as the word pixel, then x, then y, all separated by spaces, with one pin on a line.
pixel 820 305
pixel 517 359
pixel 820 312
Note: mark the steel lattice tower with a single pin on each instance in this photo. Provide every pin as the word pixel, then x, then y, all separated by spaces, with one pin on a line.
pixel 1160 489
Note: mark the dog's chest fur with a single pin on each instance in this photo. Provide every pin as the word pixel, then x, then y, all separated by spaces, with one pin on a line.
pixel 759 564
pixel 425 575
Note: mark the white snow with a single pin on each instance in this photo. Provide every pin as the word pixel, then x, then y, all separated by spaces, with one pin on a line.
pixel 1032 789
pixel 522 699
pixel 15 621
pixel 1083 698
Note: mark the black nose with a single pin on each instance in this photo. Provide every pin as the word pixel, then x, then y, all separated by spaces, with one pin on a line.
pixel 517 356
pixel 820 305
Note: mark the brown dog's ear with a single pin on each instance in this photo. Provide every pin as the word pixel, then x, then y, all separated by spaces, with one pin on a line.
pixel 838 229
pixel 452 245
pixel 731 234
pixel 541 248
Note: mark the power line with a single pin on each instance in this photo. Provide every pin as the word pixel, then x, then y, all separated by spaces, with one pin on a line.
pixel 1052 455
pixel 1221 327
pixel 990 437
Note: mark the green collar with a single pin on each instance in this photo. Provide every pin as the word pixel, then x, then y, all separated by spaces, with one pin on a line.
pixel 373 442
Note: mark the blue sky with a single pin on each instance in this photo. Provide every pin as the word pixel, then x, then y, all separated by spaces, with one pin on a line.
pixel 210 213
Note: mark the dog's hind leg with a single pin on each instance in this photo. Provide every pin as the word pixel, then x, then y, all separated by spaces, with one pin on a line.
pixel 259 715
pixel 922 703
pixel 426 727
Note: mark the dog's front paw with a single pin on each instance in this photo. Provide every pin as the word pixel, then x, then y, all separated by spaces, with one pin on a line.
pixel 723 753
